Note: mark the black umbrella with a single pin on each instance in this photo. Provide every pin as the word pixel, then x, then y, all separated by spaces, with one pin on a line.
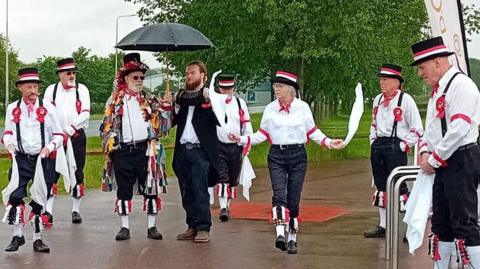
pixel 165 37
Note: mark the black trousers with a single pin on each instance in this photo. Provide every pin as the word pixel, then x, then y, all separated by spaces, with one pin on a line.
pixel 385 156
pixel 192 168
pixel 130 166
pixel 26 171
pixel 455 200
pixel 79 145
pixel 287 169
pixel 229 163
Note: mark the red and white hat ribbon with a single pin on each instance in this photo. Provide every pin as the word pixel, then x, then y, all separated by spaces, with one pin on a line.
pixel 287 75
pixel 430 51
pixel 29 76
pixel 389 71
pixel 66 66
pixel 226 83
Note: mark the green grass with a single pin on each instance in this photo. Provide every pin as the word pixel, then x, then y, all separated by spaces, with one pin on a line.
pixel 335 127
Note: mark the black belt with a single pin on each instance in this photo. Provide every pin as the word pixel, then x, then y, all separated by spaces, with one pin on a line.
pixel 189 145
pixel 28 156
pixel 291 146
pixel 467 146
pixel 134 145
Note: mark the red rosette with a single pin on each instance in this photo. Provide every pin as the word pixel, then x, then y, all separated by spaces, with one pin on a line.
pixel 207 105
pixel 440 106
pixel 41 113
pixel 78 105
pixel 398 113
pixel 16 114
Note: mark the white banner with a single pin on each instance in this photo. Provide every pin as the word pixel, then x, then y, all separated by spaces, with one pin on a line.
pixel 445 21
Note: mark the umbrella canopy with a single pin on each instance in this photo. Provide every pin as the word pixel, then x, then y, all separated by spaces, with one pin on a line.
pixel 165 37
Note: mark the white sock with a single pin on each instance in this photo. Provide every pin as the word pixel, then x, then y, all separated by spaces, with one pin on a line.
pixel 383 217
pixel 474 256
pixel 49 207
pixel 280 230
pixel 124 220
pixel 17 230
pixel 292 237
pixel 223 202
pixel 151 221
pixel 229 202
pixel 76 204
pixel 37 236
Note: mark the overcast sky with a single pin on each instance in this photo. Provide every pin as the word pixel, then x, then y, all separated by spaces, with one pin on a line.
pixel 59 27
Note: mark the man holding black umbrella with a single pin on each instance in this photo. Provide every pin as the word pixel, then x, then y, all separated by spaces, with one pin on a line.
pixel 196 151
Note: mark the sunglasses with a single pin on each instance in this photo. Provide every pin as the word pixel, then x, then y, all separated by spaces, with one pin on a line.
pixel 69 73
pixel 138 77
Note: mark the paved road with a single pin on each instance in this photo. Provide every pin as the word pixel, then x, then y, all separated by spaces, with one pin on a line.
pixel 337 243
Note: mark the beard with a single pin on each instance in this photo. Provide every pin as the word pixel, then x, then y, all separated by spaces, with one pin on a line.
pixel 71 83
pixel 193 85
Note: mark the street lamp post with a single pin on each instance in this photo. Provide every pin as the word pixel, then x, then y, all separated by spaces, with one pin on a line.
pixel 116 39
pixel 6 56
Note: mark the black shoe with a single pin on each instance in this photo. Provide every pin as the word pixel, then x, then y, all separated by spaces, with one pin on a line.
pixel 377 232
pixel 50 217
pixel 281 243
pixel 292 247
pixel 17 241
pixel 123 234
pixel 40 246
pixel 153 233
pixel 76 218
pixel 223 215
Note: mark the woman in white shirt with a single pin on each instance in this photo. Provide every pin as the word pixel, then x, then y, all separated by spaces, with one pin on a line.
pixel 287 124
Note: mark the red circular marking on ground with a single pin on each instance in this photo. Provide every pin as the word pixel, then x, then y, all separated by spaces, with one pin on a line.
pixel 263 211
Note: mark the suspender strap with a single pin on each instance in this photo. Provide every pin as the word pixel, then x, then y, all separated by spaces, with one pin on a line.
pixel 395 122
pixel 241 114
pixel 17 126
pixel 42 125
pixel 77 104
pixel 443 119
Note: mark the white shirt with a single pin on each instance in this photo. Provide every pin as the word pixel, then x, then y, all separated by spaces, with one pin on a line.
pixel 189 135
pixel 233 120
pixel 409 128
pixel 65 102
pixel 134 126
pixel 286 128
pixel 30 130
pixel 462 114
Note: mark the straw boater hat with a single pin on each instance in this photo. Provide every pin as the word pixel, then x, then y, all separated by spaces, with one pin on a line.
pixel 132 63
pixel 391 71
pixel 226 81
pixel 65 65
pixel 28 75
pixel 286 78
pixel 429 49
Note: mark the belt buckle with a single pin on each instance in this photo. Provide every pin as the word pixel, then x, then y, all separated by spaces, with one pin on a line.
pixel 282 147
pixel 189 146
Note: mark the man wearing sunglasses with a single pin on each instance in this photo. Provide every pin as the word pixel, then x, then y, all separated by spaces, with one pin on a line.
pixel 72 102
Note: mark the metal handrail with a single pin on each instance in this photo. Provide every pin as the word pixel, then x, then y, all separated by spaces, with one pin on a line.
pixel 396 174
pixel 395 226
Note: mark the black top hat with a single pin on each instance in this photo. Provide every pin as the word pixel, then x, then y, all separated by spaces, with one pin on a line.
pixel 391 71
pixel 286 78
pixel 429 49
pixel 132 63
pixel 65 65
pixel 226 81
pixel 28 75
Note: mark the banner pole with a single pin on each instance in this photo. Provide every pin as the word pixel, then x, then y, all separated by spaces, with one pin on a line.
pixel 464 38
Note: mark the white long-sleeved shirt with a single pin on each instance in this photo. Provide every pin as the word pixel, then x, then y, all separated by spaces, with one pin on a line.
pixel 462 114
pixel 30 130
pixel 233 120
pixel 134 126
pixel 65 101
pixel 409 128
pixel 285 128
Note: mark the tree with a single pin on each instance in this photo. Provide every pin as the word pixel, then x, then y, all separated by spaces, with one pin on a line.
pixel 13 65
